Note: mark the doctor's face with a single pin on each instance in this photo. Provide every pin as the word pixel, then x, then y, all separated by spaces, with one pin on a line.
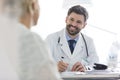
pixel 75 23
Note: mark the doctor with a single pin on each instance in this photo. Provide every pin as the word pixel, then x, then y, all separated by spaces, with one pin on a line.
pixel 79 55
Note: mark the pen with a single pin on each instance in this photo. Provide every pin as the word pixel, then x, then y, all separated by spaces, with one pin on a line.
pixel 62 58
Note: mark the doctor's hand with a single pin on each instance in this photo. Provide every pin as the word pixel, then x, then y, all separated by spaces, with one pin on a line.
pixel 78 67
pixel 62 66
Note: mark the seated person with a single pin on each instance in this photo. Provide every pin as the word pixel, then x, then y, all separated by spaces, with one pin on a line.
pixel 72 50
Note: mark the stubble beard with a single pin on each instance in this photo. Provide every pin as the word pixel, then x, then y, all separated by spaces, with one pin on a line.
pixel 72 32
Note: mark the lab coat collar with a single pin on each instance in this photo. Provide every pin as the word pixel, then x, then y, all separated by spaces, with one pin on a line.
pixel 65 47
pixel 79 48
pixel 64 43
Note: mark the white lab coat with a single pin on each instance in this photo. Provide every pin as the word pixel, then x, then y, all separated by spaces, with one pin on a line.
pixel 60 48
pixel 28 56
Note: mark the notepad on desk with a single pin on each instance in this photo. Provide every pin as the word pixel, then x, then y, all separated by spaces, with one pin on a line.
pixel 101 72
pixel 94 74
pixel 90 72
pixel 72 73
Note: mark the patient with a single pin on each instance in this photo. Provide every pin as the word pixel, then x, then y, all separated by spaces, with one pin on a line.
pixel 27 53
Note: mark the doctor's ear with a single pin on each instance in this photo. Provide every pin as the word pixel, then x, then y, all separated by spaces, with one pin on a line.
pixel 66 19
pixel 83 26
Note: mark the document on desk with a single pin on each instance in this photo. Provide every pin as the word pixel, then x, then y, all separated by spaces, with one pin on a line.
pixel 72 73
pixel 101 72
pixel 94 72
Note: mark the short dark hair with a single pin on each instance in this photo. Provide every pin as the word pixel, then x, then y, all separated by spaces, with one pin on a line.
pixel 79 10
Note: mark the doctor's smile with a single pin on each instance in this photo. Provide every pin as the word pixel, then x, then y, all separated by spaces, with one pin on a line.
pixel 72 27
pixel 72 30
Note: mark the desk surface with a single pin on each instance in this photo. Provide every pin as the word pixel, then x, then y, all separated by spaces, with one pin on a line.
pixel 91 75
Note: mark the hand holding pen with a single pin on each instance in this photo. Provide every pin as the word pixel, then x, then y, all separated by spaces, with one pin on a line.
pixel 62 66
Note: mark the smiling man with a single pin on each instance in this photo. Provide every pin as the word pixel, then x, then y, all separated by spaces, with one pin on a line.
pixel 72 50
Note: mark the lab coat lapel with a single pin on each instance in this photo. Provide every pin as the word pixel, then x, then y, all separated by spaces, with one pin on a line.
pixel 79 46
pixel 64 43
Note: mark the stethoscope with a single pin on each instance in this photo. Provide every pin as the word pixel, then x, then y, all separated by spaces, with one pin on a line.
pixel 84 43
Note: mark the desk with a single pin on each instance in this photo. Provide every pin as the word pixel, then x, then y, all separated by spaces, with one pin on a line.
pixel 91 75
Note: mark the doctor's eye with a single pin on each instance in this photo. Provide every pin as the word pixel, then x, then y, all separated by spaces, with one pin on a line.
pixel 71 19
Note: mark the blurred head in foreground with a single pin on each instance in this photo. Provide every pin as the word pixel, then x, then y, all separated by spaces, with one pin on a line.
pixel 25 11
